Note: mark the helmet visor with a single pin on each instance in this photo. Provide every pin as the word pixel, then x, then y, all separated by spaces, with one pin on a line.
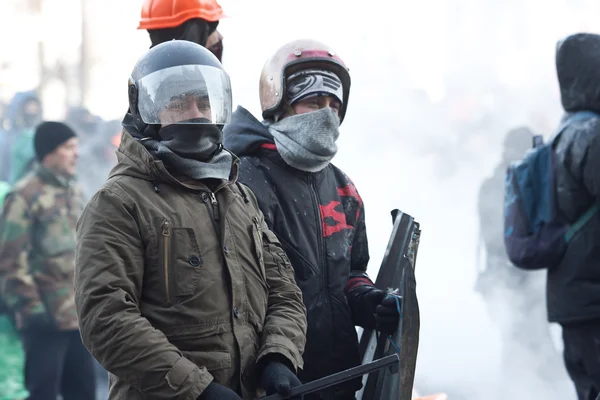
pixel 188 94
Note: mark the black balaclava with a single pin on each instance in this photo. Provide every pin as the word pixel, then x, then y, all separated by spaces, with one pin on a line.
pixel 193 150
pixel 194 30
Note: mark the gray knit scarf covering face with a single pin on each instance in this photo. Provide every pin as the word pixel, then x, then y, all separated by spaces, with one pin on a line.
pixel 307 141
pixel 195 151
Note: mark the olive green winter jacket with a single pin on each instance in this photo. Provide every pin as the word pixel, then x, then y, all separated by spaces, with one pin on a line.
pixel 177 285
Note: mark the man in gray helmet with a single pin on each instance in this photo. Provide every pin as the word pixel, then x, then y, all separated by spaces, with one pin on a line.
pixel 182 290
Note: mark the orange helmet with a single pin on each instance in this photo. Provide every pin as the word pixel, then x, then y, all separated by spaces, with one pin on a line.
pixel 161 14
pixel 296 56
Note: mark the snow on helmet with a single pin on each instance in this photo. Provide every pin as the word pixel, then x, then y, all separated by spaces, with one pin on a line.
pixel 161 14
pixel 293 57
pixel 175 76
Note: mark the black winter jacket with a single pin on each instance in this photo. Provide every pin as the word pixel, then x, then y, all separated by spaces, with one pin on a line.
pixel 320 220
pixel 573 293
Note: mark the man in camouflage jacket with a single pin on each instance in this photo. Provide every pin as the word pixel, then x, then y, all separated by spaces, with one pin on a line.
pixel 37 256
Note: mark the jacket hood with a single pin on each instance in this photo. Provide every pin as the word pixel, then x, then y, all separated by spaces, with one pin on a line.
pixel 578 71
pixel 133 159
pixel 15 108
pixel 245 134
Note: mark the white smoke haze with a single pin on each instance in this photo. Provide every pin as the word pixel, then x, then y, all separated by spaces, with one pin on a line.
pixel 401 142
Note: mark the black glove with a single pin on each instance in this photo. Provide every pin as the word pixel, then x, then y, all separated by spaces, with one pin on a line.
pixel 215 391
pixel 39 322
pixel 277 377
pixel 374 309
pixel 387 314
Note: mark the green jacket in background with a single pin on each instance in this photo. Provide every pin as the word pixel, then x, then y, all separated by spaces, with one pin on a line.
pixel 4 189
pixel 22 155
pixel 13 359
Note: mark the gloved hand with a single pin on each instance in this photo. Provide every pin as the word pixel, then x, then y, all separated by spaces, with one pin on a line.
pixel 374 309
pixel 215 391
pixel 387 314
pixel 278 378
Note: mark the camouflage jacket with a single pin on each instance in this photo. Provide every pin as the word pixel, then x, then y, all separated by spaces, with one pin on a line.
pixel 37 248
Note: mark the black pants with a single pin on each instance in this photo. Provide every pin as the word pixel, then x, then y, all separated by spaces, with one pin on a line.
pixel 582 357
pixel 58 363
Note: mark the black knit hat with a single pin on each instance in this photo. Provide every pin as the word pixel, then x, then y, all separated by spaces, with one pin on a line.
pixel 49 136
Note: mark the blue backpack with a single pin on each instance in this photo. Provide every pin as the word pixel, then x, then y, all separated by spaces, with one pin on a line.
pixel 534 236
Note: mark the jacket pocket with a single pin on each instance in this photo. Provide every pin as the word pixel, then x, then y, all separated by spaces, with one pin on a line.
pixel 284 264
pixel 180 261
pixel 212 360
pixel 258 250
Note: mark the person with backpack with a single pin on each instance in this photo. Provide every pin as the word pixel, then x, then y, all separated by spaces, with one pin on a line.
pixel 514 298
pixel 312 206
pixel 551 212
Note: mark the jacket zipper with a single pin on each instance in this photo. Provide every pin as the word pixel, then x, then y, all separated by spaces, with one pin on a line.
pixel 324 267
pixel 166 232
pixel 258 227
pixel 215 207
pixel 212 211
pixel 258 239
pixel 214 215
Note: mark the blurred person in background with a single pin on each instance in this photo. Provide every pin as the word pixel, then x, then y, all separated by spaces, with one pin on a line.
pixel 514 297
pixel 312 206
pixel 17 156
pixel 498 270
pixel 192 20
pixel 37 256
pixel 93 170
pixel 96 147
pixel 12 359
